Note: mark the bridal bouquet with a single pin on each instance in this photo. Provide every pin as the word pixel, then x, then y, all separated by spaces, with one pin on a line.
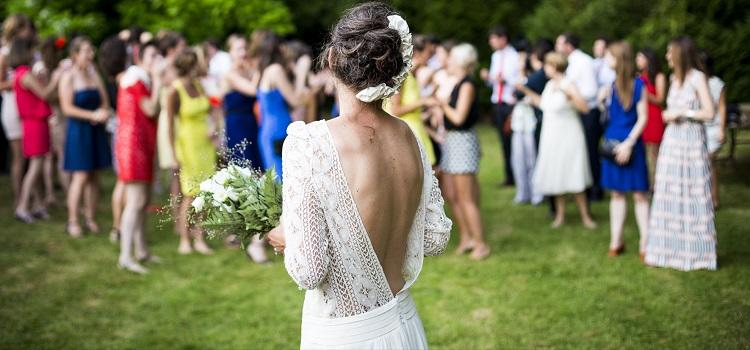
pixel 237 200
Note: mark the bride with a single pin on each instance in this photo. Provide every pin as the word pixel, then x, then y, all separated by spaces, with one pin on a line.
pixel 361 204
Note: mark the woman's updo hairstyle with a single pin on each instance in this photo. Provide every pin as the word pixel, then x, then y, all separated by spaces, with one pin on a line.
pixel 364 51
pixel 185 62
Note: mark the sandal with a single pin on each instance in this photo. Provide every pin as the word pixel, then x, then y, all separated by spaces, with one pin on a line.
pixel 114 235
pixel 132 267
pixel 480 253
pixel 74 230
pixel 91 226
pixel 26 218
pixel 150 258
pixel 40 214
pixel 616 251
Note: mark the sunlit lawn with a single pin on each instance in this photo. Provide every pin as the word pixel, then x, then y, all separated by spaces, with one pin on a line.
pixel 541 288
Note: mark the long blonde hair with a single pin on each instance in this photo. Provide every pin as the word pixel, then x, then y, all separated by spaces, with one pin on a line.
pixel 12 26
pixel 624 71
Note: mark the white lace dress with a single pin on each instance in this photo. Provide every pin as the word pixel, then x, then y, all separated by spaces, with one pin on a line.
pixel 348 303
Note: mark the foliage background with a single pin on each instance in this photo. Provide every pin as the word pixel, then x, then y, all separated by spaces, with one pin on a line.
pixel 720 26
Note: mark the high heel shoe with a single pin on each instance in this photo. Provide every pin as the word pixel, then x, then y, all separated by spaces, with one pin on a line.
pixel 616 251
pixel 26 218
pixel 132 267
pixel 92 227
pixel 74 230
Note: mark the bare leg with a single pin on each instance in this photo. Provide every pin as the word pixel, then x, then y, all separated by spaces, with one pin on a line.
pixel 63 176
pixel 75 192
pixel 618 211
pixel 31 178
pixel 183 226
pixel 49 182
pixel 174 194
pixel 584 209
pixel 465 191
pixel 714 180
pixel 652 153
pixel 641 217
pixel 139 238
pixel 16 169
pixel 91 199
pixel 131 220
pixel 559 211
pixel 450 193
pixel 118 204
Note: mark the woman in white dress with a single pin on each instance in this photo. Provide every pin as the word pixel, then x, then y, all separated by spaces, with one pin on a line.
pixel 562 166
pixel 361 204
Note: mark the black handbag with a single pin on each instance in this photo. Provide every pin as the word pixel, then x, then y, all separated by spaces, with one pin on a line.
pixel 607 151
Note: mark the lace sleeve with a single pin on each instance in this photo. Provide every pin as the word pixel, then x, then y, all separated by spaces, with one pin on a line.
pixel 305 257
pixel 437 225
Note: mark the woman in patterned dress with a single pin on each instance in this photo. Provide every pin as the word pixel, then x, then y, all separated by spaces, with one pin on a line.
pixel 137 112
pixel 681 227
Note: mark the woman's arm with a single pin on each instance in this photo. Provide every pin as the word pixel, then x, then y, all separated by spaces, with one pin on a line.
pixel 534 98
pixel 398 110
pixel 38 88
pixel 173 106
pixel 624 150
pixel 466 96
pixel 235 81
pixel 575 98
pixel 661 88
pixel 291 93
pixel 722 114
pixel 5 83
pixel 707 111
pixel 150 105
pixel 66 101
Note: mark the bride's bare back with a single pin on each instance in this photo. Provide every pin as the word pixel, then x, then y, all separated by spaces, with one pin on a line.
pixel 384 172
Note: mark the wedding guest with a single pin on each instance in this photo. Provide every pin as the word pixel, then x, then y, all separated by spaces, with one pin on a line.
pixel 461 151
pixel 681 231
pixel 112 62
pixel 298 53
pixel 14 27
pixel 84 101
pixel 219 61
pixel 503 74
pixel 52 53
pixel 358 283
pixel 241 82
pixel 562 164
pixel 605 75
pixel 137 110
pixel 276 95
pixel 526 124
pixel 34 113
pixel 626 172
pixel 656 91
pixel 170 44
pixel 715 127
pixel 407 103
pixel 581 73
pixel 194 149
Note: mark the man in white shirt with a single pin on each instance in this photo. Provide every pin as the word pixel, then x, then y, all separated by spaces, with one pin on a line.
pixel 219 63
pixel 502 76
pixel 581 72
pixel 605 75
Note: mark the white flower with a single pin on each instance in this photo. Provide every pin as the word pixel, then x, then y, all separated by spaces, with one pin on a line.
pixel 220 194
pixel 232 195
pixel 381 91
pixel 198 203
pixel 221 177
pixel 245 172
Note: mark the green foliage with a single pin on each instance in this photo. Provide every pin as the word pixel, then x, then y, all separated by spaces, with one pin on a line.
pixel 65 17
pixel 200 19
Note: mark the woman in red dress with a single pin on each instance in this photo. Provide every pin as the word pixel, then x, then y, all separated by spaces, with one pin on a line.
pixel 137 108
pixel 656 86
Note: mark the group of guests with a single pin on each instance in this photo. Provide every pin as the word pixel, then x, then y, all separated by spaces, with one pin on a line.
pixel 150 105
pixel 573 124
pixel 568 124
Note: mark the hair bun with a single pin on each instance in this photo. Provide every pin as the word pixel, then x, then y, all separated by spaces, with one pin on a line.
pixel 364 50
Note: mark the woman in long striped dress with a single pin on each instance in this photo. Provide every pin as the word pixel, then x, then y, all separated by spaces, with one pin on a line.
pixel 681 228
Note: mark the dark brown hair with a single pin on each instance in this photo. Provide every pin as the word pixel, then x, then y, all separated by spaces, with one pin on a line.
pixel 77 43
pixel 112 57
pixel 684 57
pixel 654 67
pixel 185 62
pixel 51 53
pixel 268 51
pixel 624 72
pixel 363 50
pixel 21 53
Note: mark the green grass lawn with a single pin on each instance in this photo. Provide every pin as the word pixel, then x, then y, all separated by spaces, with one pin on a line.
pixel 541 288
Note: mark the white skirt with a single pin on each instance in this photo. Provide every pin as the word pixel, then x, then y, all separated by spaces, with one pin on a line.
pixel 395 325
pixel 10 119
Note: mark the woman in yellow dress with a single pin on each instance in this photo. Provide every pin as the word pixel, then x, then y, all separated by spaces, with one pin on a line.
pixel 407 104
pixel 194 146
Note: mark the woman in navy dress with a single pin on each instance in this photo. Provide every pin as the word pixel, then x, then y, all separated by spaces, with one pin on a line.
pixel 276 94
pixel 84 102
pixel 241 124
pixel 627 172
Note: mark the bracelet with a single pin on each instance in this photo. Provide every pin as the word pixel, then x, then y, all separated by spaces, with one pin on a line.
pixel 690 114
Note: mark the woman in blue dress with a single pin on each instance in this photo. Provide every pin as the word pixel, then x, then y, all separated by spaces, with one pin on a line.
pixel 84 102
pixel 627 171
pixel 241 124
pixel 276 94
